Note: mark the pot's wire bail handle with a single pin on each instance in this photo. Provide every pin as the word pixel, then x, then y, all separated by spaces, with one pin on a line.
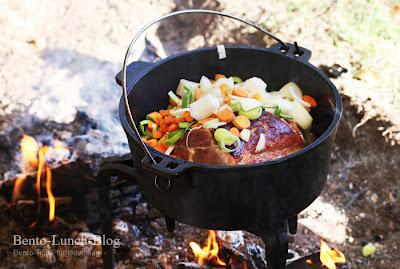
pixel 131 120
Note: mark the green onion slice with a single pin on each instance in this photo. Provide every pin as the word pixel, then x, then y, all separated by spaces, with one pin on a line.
pixel 237 79
pixel 174 97
pixel 227 142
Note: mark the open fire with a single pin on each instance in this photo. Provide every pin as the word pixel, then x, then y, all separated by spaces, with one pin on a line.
pixel 40 159
pixel 330 257
pixel 209 253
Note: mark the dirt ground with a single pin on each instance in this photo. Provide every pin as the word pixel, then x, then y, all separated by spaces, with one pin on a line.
pixel 66 54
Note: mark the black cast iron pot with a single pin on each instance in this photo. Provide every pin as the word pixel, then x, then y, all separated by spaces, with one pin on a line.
pixel 257 197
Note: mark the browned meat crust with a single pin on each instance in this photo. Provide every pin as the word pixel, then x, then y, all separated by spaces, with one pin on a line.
pixel 282 138
pixel 201 147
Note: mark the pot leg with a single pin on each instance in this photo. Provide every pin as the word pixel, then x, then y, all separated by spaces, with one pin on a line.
pixel 292 223
pixel 276 249
pixel 170 223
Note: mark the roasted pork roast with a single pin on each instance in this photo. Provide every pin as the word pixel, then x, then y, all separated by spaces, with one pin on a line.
pixel 282 138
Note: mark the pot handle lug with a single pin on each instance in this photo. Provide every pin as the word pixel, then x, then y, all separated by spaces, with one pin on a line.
pixel 164 166
pixel 133 71
pixel 293 51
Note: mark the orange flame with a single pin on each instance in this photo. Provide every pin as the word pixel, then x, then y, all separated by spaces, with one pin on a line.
pixel 29 151
pixel 52 201
pixel 329 257
pixel 35 157
pixel 17 187
pixel 208 252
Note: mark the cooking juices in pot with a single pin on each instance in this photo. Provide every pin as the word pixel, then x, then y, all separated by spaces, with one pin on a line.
pixel 230 121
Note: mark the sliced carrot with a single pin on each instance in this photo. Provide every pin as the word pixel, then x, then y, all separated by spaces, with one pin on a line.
pixel 197 94
pixel 152 126
pixel 163 126
pixel 197 124
pixel 227 100
pixel 310 100
pixel 205 120
pixel 164 112
pixel 224 89
pixel 157 134
pixel 170 120
pixel 235 131
pixel 173 127
pixel 218 76
pixel 240 92
pixel 161 147
pixel 172 102
pixel 152 143
pixel 155 116
pixel 178 120
pixel 187 116
pixel 226 115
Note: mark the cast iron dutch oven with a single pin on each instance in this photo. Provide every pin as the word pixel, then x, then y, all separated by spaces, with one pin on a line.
pixel 243 197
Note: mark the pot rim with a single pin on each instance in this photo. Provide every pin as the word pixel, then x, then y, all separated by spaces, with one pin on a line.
pixel 326 134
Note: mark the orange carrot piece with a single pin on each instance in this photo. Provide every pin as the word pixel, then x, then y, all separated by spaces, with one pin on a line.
pixel 187 116
pixel 235 131
pixel 226 115
pixel 227 100
pixel 205 120
pixel 163 126
pixel 310 100
pixel 172 102
pixel 173 127
pixel 224 89
pixel 152 126
pixel 157 134
pixel 164 112
pixel 152 143
pixel 197 124
pixel 240 92
pixel 170 120
pixel 161 147
pixel 197 94
pixel 155 116
pixel 178 120
pixel 218 76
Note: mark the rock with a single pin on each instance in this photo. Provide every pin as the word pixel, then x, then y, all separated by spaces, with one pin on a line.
pixel 231 238
pixel 374 198
pixel 139 252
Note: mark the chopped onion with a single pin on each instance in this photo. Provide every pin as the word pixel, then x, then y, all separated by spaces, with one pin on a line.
pixel 205 85
pixel 247 103
pixel 169 150
pixel 300 115
pixel 245 135
pixel 204 107
pixel 213 124
pixel 261 143
pixel 221 52
pixel 180 90
pixel 179 112
pixel 290 89
pixel 298 98
pixel 227 81
pixel 254 85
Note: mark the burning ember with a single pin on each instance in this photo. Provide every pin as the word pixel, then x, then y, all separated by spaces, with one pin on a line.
pixel 209 253
pixel 40 158
pixel 329 257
